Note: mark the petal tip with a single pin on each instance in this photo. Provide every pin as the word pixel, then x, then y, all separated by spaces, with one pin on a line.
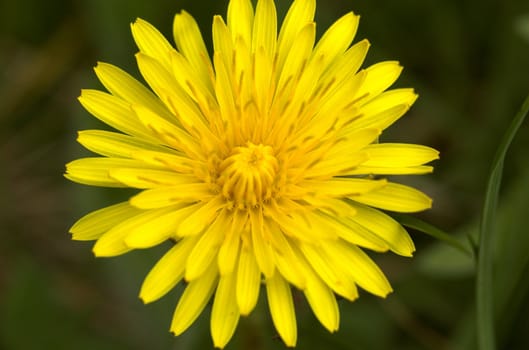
pixel 96 252
pixel 386 293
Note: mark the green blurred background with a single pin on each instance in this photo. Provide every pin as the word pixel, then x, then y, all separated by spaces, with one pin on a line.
pixel 469 62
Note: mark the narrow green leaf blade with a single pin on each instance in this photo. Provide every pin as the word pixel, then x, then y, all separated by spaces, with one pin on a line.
pixel 484 291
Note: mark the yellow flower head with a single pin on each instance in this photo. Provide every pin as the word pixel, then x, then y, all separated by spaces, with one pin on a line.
pixel 262 165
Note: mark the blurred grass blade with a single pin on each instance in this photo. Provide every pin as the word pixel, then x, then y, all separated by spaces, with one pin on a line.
pixel 521 25
pixel 424 227
pixel 484 284
pixel 484 287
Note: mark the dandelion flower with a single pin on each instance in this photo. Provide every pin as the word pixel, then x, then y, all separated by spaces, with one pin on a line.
pixel 262 165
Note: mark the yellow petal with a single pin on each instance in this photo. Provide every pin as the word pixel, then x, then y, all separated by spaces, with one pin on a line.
pixel 162 82
pixel 385 109
pixel 265 27
pixel 202 217
pixel 297 56
pixel 167 272
pixel 350 231
pixel 222 41
pixel 288 268
pixel 282 308
pixel 380 120
pixel 147 178
pixel 96 171
pixel 380 76
pixel 381 225
pixel 192 119
pixel 192 103
pixel 165 196
pixel 372 170
pixel 190 43
pixel 341 100
pixel 224 89
pixel 175 161
pixel 298 80
pixel 240 20
pixel 112 242
pixel 397 155
pixel 336 39
pixel 329 272
pixel 337 166
pixel 194 299
pixel 224 314
pixel 396 197
pixel 355 233
pixel 286 261
pixel 264 88
pixel 161 228
pixel 323 303
pixel 342 187
pixel 151 42
pixel 300 13
pixel 229 250
pixel 113 144
pixel 261 245
pixel 115 112
pixel 94 224
pixel 168 132
pixel 388 99
pixel 331 206
pixel 200 91
pixel 354 141
pixel 206 249
pixel 335 107
pixel 165 85
pixel 302 226
pixel 364 271
pixel 248 281
pixel 242 72
pixel 345 67
pixel 123 85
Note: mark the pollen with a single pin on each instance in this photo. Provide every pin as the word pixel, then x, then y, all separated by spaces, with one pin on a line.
pixel 248 175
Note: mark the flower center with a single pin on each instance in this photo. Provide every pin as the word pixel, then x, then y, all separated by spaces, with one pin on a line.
pixel 247 176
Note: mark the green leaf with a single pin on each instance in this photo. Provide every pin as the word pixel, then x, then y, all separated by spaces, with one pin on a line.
pixel 511 289
pixel 484 285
